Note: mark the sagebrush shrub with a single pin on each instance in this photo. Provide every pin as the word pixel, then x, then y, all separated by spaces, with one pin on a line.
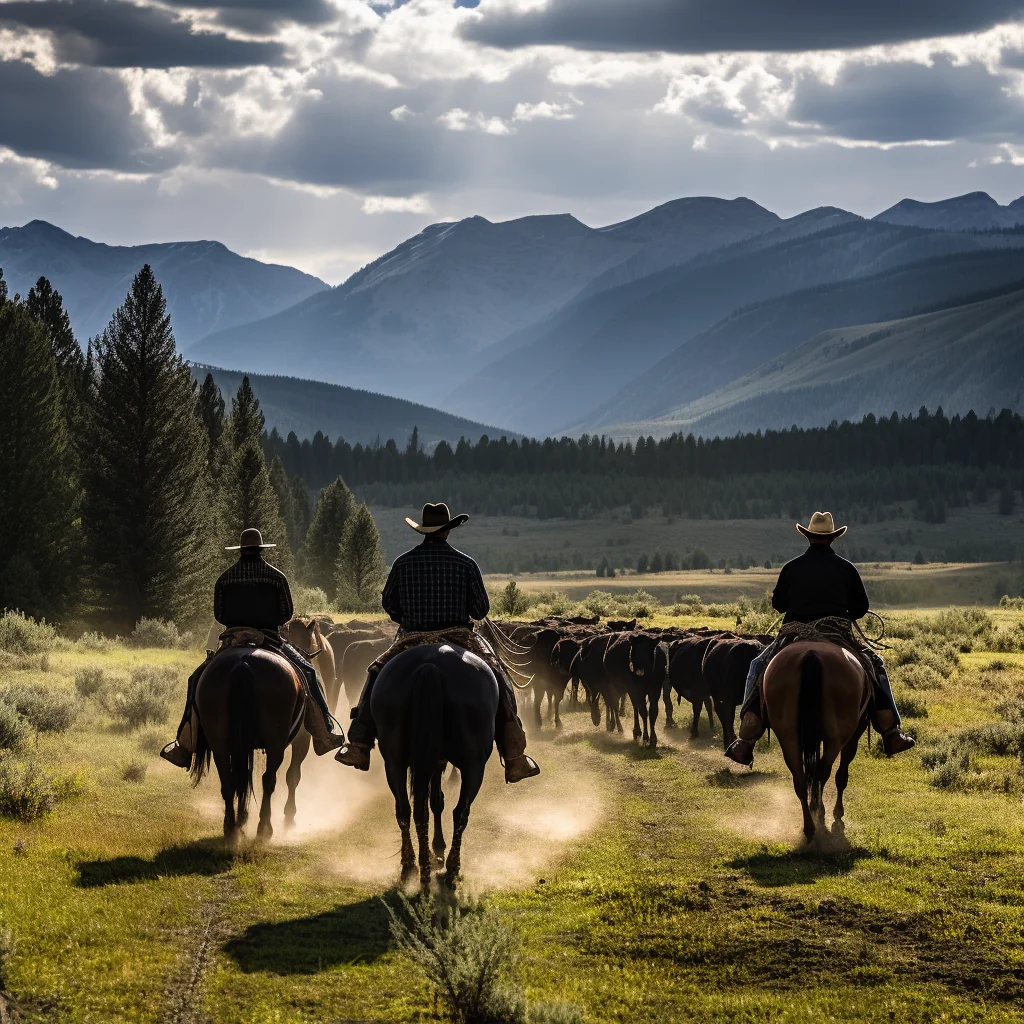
pixel 26 791
pixel 45 708
pixel 13 728
pixel 21 634
pixel 98 642
pixel 159 633
pixel 310 601
pixel 467 954
pixel 917 677
pixel 133 771
pixel 145 696
pixel 950 763
pixel 89 680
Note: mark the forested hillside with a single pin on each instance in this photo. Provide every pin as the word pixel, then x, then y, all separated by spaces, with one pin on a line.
pixel 308 407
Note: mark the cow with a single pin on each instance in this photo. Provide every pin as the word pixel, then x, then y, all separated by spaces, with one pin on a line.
pixel 724 669
pixel 686 678
pixel 549 676
pixel 636 663
pixel 358 657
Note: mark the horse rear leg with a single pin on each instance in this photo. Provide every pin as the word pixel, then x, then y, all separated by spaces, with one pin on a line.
pixel 274 759
pixel 437 844
pixel 842 778
pixel 397 784
pixel 300 748
pixel 472 779
pixel 421 819
pixel 227 791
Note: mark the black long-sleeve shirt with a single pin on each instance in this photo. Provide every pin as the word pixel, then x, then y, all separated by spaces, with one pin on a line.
pixel 434 586
pixel 252 593
pixel 817 584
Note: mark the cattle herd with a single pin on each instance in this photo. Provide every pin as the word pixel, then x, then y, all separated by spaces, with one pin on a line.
pixel 602 664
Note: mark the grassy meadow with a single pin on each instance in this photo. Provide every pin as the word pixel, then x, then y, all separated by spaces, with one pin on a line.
pixel 646 886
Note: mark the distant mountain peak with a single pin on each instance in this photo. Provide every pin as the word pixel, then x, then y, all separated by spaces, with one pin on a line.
pixel 973 211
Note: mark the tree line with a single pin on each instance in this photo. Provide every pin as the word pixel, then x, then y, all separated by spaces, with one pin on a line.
pixel 878 468
pixel 122 480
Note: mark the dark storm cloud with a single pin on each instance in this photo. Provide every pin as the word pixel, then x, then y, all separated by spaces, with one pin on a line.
pixel 107 33
pixel 705 26
pixel 902 102
pixel 263 15
pixel 78 118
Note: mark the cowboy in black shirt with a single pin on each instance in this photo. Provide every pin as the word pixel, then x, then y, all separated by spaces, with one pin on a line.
pixel 819 584
pixel 253 594
pixel 430 589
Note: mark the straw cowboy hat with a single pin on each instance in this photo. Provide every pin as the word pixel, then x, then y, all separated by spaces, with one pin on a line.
pixel 821 527
pixel 249 539
pixel 435 518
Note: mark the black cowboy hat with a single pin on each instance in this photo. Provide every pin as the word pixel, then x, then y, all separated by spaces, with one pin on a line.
pixel 435 518
pixel 250 539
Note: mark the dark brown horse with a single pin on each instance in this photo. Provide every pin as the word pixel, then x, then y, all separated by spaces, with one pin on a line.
pixel 817 698
pixel 434 704
pixel 247 699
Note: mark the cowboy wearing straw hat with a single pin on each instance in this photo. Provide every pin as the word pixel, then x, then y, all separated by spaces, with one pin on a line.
pixel 819 584
pixel 253 594
pixel 433 588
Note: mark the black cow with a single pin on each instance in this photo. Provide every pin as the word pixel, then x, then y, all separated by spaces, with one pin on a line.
pixel 686 678
pixel 636 664
pixel 724 669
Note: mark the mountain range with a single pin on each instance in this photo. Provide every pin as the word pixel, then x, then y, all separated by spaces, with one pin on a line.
pixel 207 286
pixel 673 319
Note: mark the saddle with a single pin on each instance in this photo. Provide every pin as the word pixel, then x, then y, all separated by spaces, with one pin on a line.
pixel 242 636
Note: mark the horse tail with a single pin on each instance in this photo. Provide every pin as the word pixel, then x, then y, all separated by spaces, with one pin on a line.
pixel 426 730
pixel 242 728
pixel 809 723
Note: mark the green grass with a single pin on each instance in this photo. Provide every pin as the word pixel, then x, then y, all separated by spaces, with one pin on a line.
pixel 647 886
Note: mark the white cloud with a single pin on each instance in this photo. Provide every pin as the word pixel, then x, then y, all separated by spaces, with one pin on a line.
pixel 403 113
pixel 700 142
pixel 396 204
pixel 459 120
pixel 535 111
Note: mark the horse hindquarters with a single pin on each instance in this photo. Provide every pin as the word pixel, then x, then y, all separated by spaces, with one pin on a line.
pixel 811 738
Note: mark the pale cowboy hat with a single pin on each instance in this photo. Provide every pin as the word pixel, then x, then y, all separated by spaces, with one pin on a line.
pixel 821 527
pixel 435 518
pixel 250 539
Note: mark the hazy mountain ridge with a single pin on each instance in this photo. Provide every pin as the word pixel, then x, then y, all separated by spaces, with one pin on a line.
pixel 205 283
pixel 970 356
pixel 750 337
pixel 976 211
pixel 640 323
pixel 306 406
pixel 437 306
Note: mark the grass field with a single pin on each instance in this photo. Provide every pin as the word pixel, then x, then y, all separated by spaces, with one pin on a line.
pixel 647 886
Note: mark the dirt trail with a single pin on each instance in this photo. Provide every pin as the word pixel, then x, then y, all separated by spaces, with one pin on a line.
pixel 183 997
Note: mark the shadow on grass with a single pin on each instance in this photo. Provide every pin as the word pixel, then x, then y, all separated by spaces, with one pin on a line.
pixel 203 857
pixel 353 933
pixel 725 778
pixel 800 866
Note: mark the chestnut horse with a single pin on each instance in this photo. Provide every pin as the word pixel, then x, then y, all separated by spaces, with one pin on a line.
pixel 817 697
pixel 247 699
pixel 434 704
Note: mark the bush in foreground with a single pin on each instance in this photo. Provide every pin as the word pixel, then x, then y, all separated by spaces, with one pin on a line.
pixel 27 792
pixel 13 728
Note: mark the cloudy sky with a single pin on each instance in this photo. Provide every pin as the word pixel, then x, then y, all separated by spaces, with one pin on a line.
pixel 322 132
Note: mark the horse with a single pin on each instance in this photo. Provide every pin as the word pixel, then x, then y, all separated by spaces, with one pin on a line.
pixel 434 704
pixel 247 699
pixel 817 697
pixel 306 635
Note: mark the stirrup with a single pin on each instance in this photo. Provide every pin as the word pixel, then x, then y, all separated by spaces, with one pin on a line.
pixel 741 751
pixel 519 768
pixel 355 755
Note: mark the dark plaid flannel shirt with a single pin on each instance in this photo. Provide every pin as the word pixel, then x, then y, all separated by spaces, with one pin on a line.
pixel 252 593
pixel 434 586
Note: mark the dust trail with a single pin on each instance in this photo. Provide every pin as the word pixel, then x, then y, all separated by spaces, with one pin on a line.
pixel 515 833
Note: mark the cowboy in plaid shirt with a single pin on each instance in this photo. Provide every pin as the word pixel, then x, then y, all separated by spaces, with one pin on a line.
pixel 430 589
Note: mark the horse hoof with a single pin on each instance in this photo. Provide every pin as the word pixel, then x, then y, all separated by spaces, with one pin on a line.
pixel 265 833
pixel 408 872
pixel 450 880
pixel 438 858
pixel 289 823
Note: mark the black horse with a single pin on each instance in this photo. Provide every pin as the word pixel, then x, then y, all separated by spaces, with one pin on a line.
pixel 432 705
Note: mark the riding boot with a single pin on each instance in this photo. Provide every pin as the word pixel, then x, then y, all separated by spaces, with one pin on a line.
pixel 327 734
pixel 362 732
pixel 510 736
pixel 182 748
pixel 752 728
pixel 886 716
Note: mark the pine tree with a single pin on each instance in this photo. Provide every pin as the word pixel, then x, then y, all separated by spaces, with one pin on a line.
pixel 302 507
pixel 285 500
pixel 38 496
pixel 146 507
pixel 47 307
pixel 249 498
pixel 210 406
pixel 334 505
pixel 361 571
